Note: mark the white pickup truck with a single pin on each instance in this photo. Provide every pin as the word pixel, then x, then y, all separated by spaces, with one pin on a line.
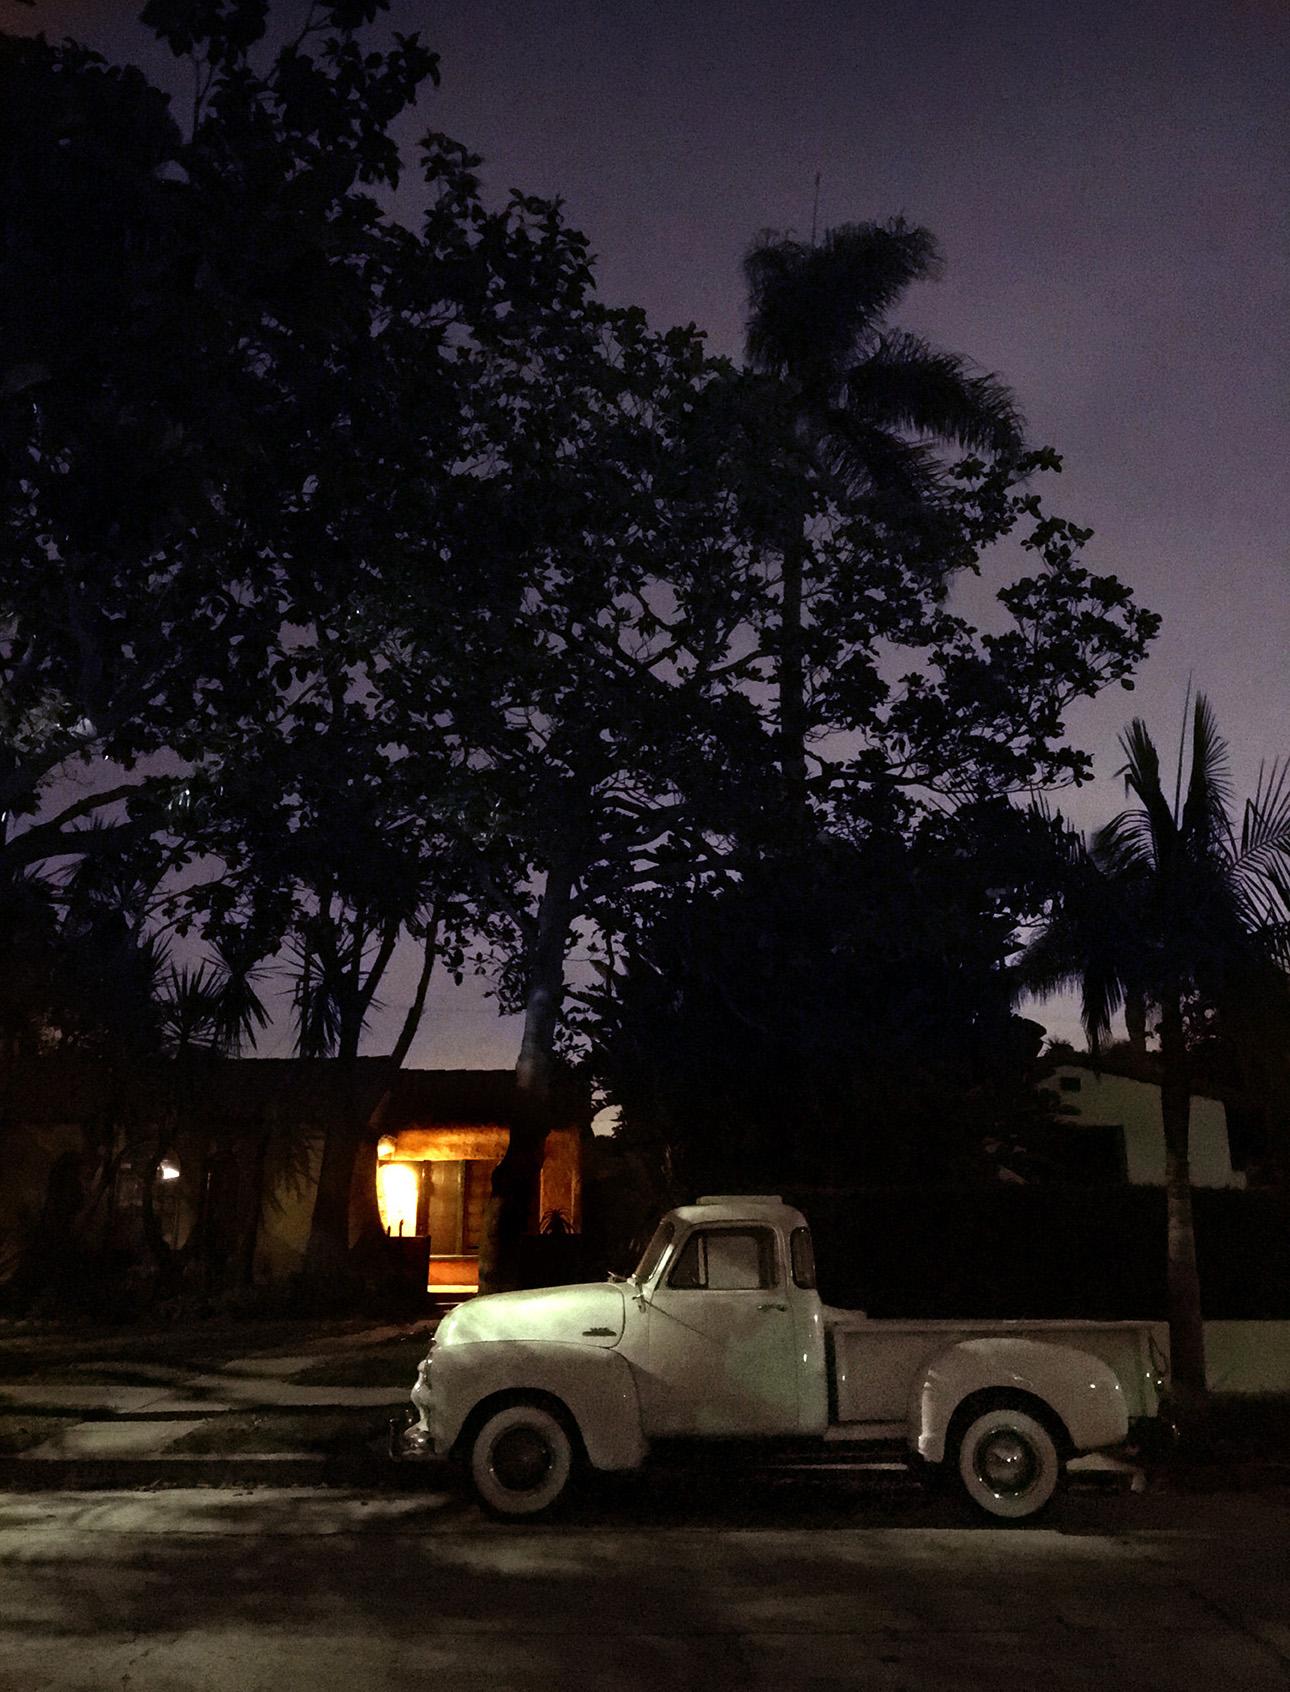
pixel 720 1335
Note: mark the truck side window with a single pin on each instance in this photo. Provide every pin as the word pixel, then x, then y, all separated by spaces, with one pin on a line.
pixel 802 1253
pixel 726 1260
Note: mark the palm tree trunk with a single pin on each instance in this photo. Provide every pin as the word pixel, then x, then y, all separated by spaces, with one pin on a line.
pixel 516 1177
pixel 791 672
pixel 1188 1387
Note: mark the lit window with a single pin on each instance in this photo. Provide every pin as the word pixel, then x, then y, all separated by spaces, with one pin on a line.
pixel 396 1194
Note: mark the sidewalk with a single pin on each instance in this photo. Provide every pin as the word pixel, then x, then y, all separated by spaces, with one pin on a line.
pixel 263 1417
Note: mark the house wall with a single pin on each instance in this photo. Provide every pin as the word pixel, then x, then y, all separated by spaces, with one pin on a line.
pixel 285 1216
pixel 1135 1106
pixel 1242 1356
pixel 30 1154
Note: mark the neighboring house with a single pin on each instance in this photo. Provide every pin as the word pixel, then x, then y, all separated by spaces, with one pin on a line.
pixel 1111 1107
pixel 232 1146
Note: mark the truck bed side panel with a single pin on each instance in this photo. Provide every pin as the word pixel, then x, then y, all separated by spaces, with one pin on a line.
pixel 877 1363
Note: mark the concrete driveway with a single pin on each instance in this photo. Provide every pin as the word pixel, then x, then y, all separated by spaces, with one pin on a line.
pixel 674 1582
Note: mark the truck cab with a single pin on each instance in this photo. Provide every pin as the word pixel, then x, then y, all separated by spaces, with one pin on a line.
pixel 724 1328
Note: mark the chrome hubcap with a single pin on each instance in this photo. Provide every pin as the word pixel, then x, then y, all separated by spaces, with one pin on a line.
pixel 520 1459
pixel 1006 1463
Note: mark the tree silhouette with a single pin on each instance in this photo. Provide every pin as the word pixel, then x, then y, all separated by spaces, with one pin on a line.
pixel 1167 899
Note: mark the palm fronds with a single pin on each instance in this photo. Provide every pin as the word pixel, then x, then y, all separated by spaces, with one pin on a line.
pixel 811 308
pixel 1141 773
pixel 923 391
pixel 1204 819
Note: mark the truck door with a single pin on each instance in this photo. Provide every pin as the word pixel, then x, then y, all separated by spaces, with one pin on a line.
pixel 720 1357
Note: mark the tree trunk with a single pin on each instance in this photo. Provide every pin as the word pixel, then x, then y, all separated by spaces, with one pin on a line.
pixel 329 1228
pixel 791 675
pixel 328 1245
pixel 1188 1389
pixel 251 1237
pixel 516 1177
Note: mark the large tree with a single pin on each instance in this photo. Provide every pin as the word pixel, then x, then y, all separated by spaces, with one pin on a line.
pixel 248 421
pixel 600 758
pixel 1168 899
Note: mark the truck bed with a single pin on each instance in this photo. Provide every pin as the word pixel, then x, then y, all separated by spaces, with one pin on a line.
pixel 876 1362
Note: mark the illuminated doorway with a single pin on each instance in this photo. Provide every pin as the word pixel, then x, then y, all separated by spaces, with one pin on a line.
pixel 398 1192
pixel 443 1198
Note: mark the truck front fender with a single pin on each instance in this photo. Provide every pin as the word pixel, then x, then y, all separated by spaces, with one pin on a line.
pixel 1080 1389
pixel 595 1385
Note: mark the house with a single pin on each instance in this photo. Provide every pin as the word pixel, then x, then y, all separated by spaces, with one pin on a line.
pixel 1111 1107
pixel 231 1148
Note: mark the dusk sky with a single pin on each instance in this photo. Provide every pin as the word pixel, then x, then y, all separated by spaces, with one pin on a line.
pixel 1108 183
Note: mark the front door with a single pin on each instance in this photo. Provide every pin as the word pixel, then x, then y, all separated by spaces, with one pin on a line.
pixel 720 1353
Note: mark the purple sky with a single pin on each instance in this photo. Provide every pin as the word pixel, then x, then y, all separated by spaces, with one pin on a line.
pixel 1109 185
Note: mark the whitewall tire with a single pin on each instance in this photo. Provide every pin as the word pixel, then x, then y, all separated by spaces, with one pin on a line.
pixel 521 1461
pixel 1007 1463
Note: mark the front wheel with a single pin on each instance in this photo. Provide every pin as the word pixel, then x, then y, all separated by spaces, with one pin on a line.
pixel 1007 1463
pixel 521 1461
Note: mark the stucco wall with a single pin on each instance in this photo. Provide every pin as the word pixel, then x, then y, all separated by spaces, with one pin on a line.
pixel 30 1153
pixel 1242 1356
pixel 284 1221
pixel 1135 1106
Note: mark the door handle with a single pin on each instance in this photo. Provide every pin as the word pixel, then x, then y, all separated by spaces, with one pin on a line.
pixel 772 1307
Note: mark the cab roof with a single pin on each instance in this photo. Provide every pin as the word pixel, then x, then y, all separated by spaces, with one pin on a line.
pixel 741 1207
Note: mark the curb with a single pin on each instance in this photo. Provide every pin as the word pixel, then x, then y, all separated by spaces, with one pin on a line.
pixel 1223 1477
pixel 105 1413
pixel 108 1474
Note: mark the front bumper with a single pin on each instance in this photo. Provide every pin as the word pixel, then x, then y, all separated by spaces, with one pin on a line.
pixel 408 1440
pixel 412 1433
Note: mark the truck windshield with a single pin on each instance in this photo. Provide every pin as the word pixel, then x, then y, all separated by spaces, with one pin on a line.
pixel 654 1252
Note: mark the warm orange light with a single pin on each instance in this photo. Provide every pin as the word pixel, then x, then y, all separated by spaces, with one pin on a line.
pixel 396 1194
pixel 385 1146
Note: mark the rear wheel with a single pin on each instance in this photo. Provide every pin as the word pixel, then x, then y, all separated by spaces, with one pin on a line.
pixel 521 1461
pixel 1007 1462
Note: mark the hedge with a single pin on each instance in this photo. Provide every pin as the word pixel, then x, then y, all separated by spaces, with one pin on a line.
pixel 1014 1251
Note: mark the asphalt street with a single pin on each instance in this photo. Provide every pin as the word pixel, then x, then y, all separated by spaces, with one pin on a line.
pixel 664 1582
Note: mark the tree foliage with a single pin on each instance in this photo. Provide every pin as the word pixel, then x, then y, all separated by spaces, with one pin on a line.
pixel 373 583
pixel 838 1017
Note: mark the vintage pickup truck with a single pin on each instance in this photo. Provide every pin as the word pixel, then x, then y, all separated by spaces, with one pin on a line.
pixel 720 1335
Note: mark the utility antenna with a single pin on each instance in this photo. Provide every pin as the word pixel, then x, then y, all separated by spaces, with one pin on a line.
pixel 815 210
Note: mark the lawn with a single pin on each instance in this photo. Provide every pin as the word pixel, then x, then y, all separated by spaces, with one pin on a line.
pixel 19 1433
pixel 392 1365
pixel 251 1433
pixel 79 1353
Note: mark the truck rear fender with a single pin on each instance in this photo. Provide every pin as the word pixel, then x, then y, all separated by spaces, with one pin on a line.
pixel 594 1385
pixel 1080 1390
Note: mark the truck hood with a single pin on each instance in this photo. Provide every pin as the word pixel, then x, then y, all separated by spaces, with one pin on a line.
pixel 590 1313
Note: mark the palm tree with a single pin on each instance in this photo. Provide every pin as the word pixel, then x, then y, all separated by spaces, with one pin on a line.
pixel 872 406
pixel 1167 900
